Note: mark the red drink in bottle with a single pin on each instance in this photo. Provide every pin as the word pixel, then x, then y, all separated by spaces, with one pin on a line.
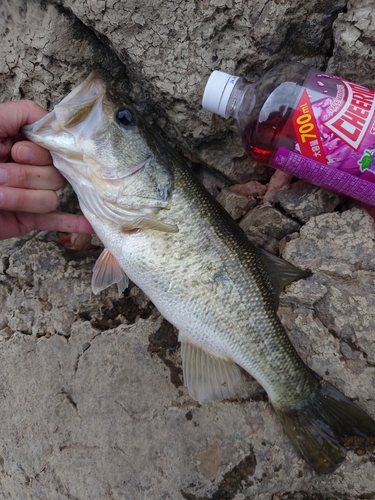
pixel 316 126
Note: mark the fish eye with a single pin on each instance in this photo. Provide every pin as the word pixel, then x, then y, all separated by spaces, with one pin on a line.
pixel 125 117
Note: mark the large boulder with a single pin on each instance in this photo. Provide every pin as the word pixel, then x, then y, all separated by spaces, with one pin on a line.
pixel 92 398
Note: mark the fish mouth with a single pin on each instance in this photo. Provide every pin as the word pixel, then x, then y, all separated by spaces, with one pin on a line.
pixel 55 130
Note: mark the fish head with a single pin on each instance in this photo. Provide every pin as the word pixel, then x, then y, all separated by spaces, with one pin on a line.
pixel 105 149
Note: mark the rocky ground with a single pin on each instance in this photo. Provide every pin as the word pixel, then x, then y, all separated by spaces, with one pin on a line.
pixel 92 399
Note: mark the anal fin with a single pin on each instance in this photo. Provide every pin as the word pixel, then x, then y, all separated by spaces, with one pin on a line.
pixel 207 377
pixel 107 272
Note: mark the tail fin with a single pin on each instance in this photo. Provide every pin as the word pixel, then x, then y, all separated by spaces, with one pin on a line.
pixel 318 428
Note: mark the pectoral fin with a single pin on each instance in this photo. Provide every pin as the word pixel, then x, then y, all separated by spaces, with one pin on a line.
pixel 149 223
pixel 207 377
pixel 106 272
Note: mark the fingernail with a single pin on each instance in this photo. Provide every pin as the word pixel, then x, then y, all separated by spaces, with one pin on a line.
pixel 3 175
pixel 25 154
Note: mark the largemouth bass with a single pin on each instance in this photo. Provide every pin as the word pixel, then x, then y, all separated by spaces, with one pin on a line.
pixel 162 229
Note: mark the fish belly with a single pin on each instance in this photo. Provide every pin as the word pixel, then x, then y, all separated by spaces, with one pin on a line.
pixel 200 287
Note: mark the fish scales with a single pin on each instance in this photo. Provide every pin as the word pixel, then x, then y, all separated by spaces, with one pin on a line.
pixel 164 231
pixel 248 314
pixel 231 311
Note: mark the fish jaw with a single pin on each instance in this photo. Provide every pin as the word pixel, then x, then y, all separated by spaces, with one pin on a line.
pixel 47 133
pixel 64 130
pixel 54 131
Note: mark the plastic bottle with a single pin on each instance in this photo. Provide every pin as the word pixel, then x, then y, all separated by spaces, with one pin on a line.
pixel 316 126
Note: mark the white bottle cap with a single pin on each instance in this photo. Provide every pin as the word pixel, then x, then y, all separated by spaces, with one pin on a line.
pixel 217 92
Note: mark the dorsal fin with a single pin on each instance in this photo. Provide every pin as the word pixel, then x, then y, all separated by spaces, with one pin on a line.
pixel 281 272
pixel 207 377
pixel 106 272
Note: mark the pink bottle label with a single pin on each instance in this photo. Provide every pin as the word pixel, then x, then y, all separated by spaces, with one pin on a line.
pixel 334 128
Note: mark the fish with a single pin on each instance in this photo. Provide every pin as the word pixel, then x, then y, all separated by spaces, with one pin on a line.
pixel 162 230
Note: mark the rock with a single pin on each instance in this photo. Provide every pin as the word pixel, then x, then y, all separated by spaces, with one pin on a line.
pixel 211 179
pixel 252 188
pixel 243 170
pixel 337 300
pixel 265 226
pixel 303 200
pixel 108 395
pixel 235 204
pixel 354 36
pixel 327 243
pixel 55 52
pixel 175 60
pixel 279 180
pixel 285 240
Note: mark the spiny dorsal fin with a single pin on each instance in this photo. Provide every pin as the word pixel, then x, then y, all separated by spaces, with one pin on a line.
pixel 281 272
pixel 207 377
pixel 106 272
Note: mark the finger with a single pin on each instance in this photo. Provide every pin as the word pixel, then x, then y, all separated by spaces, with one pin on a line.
pixel 17 113
pixel 5 148
pixel 27 200
pixel 14 224
pixel 30 153
pixel 63 222
pixel 31 177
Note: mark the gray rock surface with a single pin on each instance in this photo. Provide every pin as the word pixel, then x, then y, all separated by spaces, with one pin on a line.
pixel 354 41
pixel 303 200
pixel 93 404
pixel 265 226
pixel 92 400
pixel 339 298
pixel 235 204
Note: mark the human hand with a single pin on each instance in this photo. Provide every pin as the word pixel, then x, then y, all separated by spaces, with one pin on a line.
pixel 28 180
